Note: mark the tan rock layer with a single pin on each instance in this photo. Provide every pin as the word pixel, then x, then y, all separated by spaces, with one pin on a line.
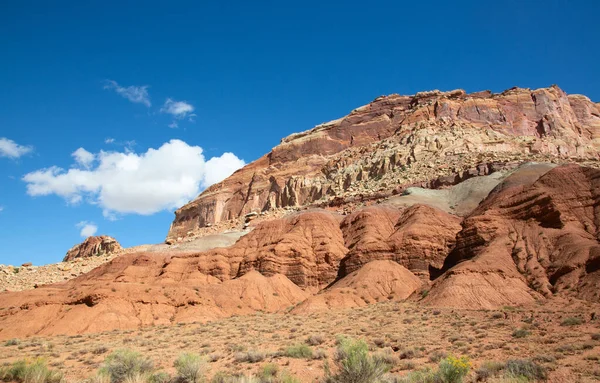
pixel 401 140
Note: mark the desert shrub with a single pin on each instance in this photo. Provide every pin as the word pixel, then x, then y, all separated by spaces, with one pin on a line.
pixel 315 340
pixel 595 336
pixel 126 364
pixel 190 368
pixel 520 333
pixel 423 376
pixel 387 358
pixel 299 351
pixel 35 371
pixel 524 368
pixel 287 378
pixel 571 321
pixel 100 350
pixel 269 370
pixel 379 342
pixel 354 364
pixel 488 369
pixel 453 369
pixel 159 377
pixel 319 354
pixel 136 378
pixel 249 356
pixel 408 353
pixel 12 342
pixel 437 355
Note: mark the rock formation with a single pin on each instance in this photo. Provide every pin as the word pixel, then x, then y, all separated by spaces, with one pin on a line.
pixel 531 239
pixel 93 246
pixel 375 282
pixel 398 141
pixel 361 227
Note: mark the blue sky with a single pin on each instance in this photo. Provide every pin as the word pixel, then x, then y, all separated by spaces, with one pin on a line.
pixel 235 77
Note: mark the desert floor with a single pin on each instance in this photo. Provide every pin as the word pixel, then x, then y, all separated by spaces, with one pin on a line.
pixel 412 337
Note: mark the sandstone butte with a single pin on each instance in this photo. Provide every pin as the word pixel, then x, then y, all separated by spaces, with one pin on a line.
pixel 92 247
pixel 432 198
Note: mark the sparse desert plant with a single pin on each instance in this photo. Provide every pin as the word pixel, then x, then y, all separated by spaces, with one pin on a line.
pixel 12 342
pixel 124 363
pixel 596 336
pixel 437 355
pixel 301 351
pixel 35 371
pixel 520 333
pixel 422 376
pixel 453 369
pixel 354 364
pixel 319 354
pixel 524 368
pixel 269 370
pixel 315 340
pixel 488 369
pixel 571 321
pixel 190 368
pixel 159 377
pixel 249 356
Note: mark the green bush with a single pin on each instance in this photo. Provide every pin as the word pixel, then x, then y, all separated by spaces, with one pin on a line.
pixel 190 368
pixel 299 351
pixel 354 364
pixel 126 364
pixel 453 369
pixel 450 370
pixel 35 371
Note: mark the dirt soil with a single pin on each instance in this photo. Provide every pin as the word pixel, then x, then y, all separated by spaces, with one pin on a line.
pixel 412 337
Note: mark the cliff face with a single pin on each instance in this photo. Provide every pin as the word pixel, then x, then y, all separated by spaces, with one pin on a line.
pixel 397 141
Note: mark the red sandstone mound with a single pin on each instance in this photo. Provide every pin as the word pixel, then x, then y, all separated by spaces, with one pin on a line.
pixel 374 282
pixel 132 291
pixel 305 247
pixel 93 246
pixel 419 238
pixel 263 270
pixel 529 240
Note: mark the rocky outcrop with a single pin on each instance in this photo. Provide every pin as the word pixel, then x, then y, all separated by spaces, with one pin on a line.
pixel 536 236
pixel 375 282
pixel 418 238
pixel 93 246
pixel 399 141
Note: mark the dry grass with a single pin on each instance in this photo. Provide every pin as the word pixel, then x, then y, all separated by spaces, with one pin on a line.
pixel 410 337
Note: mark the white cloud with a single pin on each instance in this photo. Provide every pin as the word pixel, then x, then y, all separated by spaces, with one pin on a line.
pixel 179 109
pixel 1 209
pixel 83 157
pixel 173 125
pixel 10 149
pixel 136 94
pixel 159 179
pixel 87 228
pixel 217 166
pixel 109 140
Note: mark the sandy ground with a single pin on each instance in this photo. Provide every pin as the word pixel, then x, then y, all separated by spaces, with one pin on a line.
pixel 412 337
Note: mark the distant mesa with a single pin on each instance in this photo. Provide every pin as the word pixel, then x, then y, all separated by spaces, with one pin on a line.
pixel 93 246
